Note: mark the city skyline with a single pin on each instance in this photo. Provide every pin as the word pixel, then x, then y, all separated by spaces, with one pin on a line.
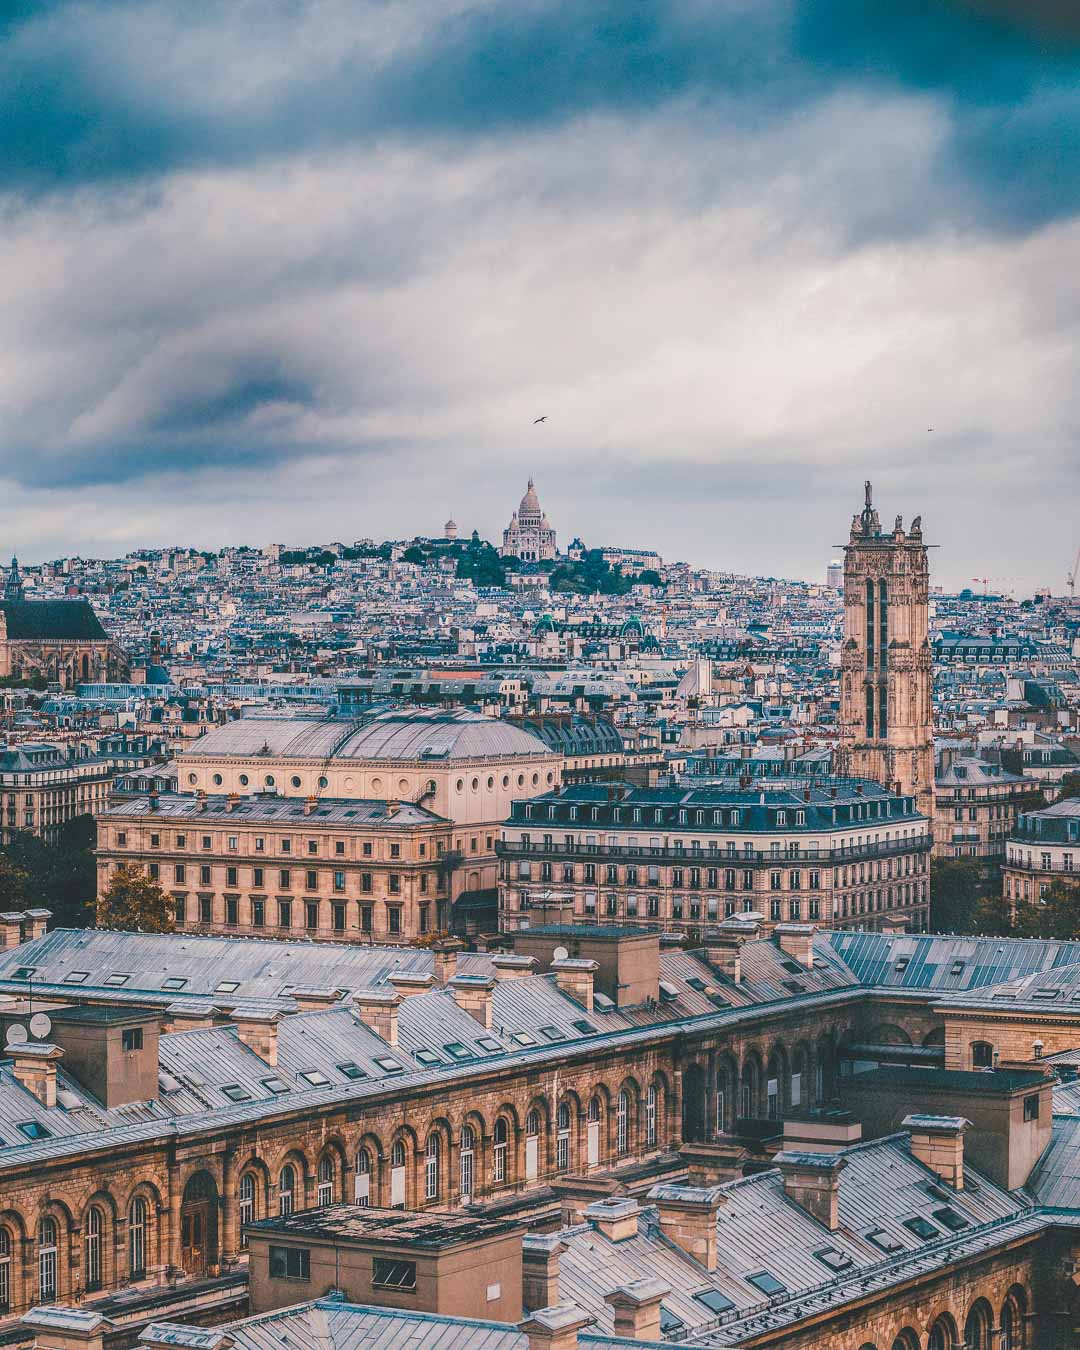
pixel 741 260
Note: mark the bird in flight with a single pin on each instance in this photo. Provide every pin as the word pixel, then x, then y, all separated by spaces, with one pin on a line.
pixel 540 419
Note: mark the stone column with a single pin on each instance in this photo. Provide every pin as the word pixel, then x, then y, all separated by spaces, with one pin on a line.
pixel 172 1227
pixel 230 1209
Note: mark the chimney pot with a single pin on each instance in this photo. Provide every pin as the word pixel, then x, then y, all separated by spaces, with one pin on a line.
pixel 938 1143
pixel 378 1009
pixel 812 1181
pixel 636 1306
pixel 257 1028
pixel 472 993
pixel 687 1217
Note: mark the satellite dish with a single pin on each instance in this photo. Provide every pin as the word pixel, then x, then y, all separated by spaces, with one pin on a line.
pixel 40 1025
pixel 16 1034
pixel 559 954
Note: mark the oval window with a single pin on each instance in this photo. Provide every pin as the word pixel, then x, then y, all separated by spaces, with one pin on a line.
pixel 295 780
pixel 324 782
pixel 243 780
pixel 193 777
pixel 217 780
pixel 269 780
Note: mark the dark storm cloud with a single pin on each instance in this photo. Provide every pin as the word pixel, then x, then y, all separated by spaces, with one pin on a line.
pixel 130 88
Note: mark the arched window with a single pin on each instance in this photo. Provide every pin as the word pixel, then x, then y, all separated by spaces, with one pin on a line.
pixel 362 1186
pixel 5 1270
pixel 982 1055
pixel 92 1248
pixel 287 1189
pixel 942 1335
pixel 467 1167
pixel 137 1217
pixel 324 1194
pixel 532 1145
pixel 562 1139
pixel 48 1259
pixel 650 1117
pixel 247 1199
pixel 622 1122
pixel 498 1152
pixel 397 1175
pixel 431 1168
pixel 1013 1335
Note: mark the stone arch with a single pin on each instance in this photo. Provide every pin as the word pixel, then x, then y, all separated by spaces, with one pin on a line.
pixel 908 1339
pixel 295 1161
pixel 51 1276
pixel 825 1067
pixel 12 1246
pixel 336 1154
pixel 725 1102
pixel 199 1236
pixel 935 1037
pixel 99 1241
pixel 982 1054
pixel 801 1078
pixel 635 1104
pixel 405 1151
pixel 1013 1323
pixel 253 1166
pixel 368 1166
pixel 942 1334
pixel 694 1112
pixel 567 1130
pixel 776 1072
pixel 662 1107
pixel 978 1325
pixel 888 1033
pixel 751 1085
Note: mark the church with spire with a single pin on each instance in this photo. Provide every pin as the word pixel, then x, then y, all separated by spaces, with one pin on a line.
pixel 61 641
pixel 529 535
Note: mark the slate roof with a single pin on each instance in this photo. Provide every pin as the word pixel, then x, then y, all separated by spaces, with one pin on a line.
pixel 340 812
pixel 51 620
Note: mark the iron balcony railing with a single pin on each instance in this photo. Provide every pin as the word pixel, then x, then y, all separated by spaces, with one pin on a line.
pixel 517 848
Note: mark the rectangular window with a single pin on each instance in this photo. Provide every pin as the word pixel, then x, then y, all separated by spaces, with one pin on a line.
pixel 286 846
pixel 312 881
pixel 258 913
pixel 257 876
pixel 311 915
pixel 339 881
pixel 1031 1107
pixel 393 917
pixel 232 910
pixel 285 879
pixel 179 872
pixel 365 882
pixel 290 1263
pixel 284 913
pixel 131 1038
pixel 387 1273
pixel 339 918
pixel 206 908
pixel 230 877
pixel 204 876
pixel 395 884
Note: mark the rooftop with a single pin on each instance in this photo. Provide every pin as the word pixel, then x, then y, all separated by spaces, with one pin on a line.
pixel 427 1230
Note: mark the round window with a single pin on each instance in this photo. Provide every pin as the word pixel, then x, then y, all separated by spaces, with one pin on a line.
pixel 324 782
pixel 269 780
pixel 295 780
pixel 521 780
pixel 475 784
pixel 193 777
pixel 243 780
pixel 217 780
pixel 403 785
pixel 506 780
pixel 536 779
pixel 551 778
pixel 376 785
pixel 460 784
pixel 491 782
pixel 349 782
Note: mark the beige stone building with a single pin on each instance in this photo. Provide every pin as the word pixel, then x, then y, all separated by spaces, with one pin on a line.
pixel 61 641
pixel 354 870
pixel 1043 848
pixel 460 765
pixel 975 808
pixel 42 787
pixel 529 535
pixel 886 703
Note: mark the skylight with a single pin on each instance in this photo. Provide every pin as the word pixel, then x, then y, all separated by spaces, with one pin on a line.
pixel 922 1228
pixel 236 1093
pixel 389 1065
pixel 768 1284
pixel 351 1070
pixel 833 1258
pixel 428 1057
pixel 714 1300
pixel 456 1050
pixel 315 1077
pixel 951 1218
pixel 33 1129
pixel 585 1026
pixel 523 1037
pixel 885 1241
pixel 117 980
pixel 552 1033
pixel 174 982
pixel 77 977
pixel 276 1085
pixel 227 987
pixel 488 1043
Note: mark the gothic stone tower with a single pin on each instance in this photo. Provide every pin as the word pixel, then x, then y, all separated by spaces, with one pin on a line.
pixel 886 712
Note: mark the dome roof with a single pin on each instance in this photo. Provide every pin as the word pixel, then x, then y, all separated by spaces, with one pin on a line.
pixel 401 734
pixel 530 503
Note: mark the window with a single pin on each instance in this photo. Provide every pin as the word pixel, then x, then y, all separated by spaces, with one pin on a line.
pixel 137 1219
pixel 131 1038
pixel 92 1248
pixel 315 1077
pixel 431 1168
pixel 669 1321
pixel 286 1189
pixel 387 1273
pixel 247 1198
pixel 467 1161
pixel 498 1154
pixel 324 1194
pixel 650 1117
pixel 562 1144
pixel 922 1228
pixel 833 1258
pixel 982 1055
pixel 362 1188
pixel 236 1093
pixel 48 1237
pixel 951 1219
pixel 1031 1107
pixel 714 1300
pixel 622 1122
pixel 768 1284
pixel 885 1241
pixel 276 1085
pixel 5 1269
pixel 290 1263
pixel 351 1070
pixel 33 1129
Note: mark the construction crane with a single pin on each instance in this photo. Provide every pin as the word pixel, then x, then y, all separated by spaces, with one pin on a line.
pixel 985 582
pixel 1073 575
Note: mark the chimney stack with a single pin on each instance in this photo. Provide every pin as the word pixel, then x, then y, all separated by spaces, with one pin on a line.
pixel 406 982
pixel 11 928
pixel 378 1009
pixel 615 1217
pixel 34 1066
pixel 812 1181
pixel 310 803
pixel 724 942
pixel 938 1143
pixel 60 1328
pixel 510 966
pixel 179 1336
pixel 232 801
pixel 575 978
pixel 258 1029
pixel 797 941
pixel 687 1217
pixel 555 1328
pixel 316 998
pixel 637 1308
pixel 540 1254
pixel 444 956
pixel 472 993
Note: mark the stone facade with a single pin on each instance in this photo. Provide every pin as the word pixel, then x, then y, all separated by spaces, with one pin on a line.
pixel 529 536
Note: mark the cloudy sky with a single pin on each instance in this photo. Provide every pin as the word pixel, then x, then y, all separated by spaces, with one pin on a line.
pixel 302 270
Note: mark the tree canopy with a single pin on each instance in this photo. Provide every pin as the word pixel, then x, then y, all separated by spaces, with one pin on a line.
pixel 135 902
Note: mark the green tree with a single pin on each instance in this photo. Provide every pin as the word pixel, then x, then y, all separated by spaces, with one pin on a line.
pixel 956 886
pixel 413 554
pixel 14 885
pixel 1055 915
pixel 135 902
pixel 1070 786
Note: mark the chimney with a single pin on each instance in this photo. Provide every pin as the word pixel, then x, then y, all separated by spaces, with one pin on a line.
pixel 378 1009
pixel 153 801
pixel 444 956
pixel 821 1132
pixel 723 944
pixel 34 1066
pixel 472 993
pixel 316 998
pixel 510 966
pixel 938 1143
pixel 232 801
pixel 406 982
pixel 616 1217
pixel 812 1181
pixel 797 941
pixel 11 928
pixel 60 1328
pixel 392 808
pixel 687 1217
pixel 637 1308
pixel 575 977
pixel 540 1254
pixel 310 803
pixel 258 1029
pixel 194 1015
pixel 555 1328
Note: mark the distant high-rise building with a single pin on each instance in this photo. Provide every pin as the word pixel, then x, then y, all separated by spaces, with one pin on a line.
pixel 834 575
pixel 450 529
pixel 886 710
pixel 529 535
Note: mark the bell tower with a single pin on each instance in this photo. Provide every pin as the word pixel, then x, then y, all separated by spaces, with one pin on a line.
pixel 886 675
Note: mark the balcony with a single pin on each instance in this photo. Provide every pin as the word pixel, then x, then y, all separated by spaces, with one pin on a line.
pixel 703 858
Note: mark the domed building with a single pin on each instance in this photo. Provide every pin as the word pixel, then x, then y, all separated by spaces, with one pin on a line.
pixel 529 535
